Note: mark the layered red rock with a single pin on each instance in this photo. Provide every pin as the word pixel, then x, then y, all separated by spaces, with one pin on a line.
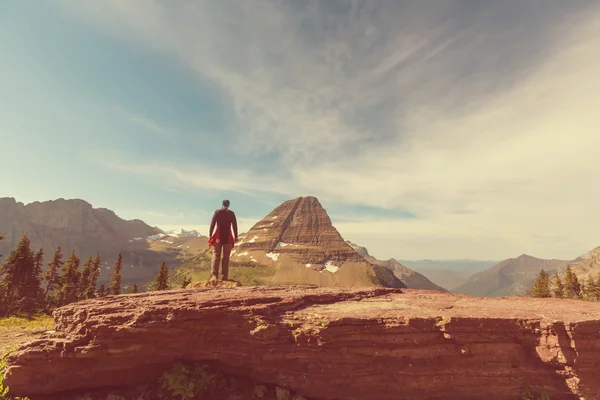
pixel 324 343
pixel 300 242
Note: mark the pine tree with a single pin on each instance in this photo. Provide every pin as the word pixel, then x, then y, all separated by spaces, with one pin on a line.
pixel 101 291
pixel 114 286
pixel 34 286
pixel 69 280
pixel 593 288
pixel 18 274
pixel 572 285
pixel 52 278
pixel 134 289
pixel 589 288
pixel 38 264
pixel 541 287
pixel 559 288
pixel 161 282
pixel 90 291
pixel 596 290
pixel 86 274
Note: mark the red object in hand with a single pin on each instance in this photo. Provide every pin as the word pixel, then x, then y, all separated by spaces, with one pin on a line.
pixel 215 238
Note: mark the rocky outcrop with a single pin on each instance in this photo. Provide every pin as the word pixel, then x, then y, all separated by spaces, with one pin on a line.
pixel 76 225
pixel 510 277
pixel 587 266
pixel 323 343
pixel 411 279
pixel 298 240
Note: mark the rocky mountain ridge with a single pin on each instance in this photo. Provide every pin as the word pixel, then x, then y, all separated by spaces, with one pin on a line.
pixel 75 224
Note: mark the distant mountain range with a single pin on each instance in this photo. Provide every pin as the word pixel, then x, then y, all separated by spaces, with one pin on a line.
pixel 296 242
pixel 76 226
pixel 510 277
pixel 412 279
pixel 448 273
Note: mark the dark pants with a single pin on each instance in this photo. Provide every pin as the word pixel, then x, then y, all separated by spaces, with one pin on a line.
pixel 216 259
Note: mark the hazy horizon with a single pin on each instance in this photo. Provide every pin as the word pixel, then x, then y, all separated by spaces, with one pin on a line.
pixel 427 130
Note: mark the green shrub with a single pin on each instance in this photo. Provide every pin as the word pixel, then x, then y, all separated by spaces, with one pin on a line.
pixel 528 394
pixel 191 381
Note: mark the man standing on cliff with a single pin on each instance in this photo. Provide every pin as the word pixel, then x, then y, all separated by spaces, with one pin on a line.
pixel 222 240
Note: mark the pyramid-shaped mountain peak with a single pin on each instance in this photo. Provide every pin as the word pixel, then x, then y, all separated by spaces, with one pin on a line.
pixel 300 227
pixel 300 242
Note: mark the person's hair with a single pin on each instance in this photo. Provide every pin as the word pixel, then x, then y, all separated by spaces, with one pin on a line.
pixel 226 203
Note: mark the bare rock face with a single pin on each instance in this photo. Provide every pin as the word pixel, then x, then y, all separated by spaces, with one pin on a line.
pixel 323 343
pixel 299 241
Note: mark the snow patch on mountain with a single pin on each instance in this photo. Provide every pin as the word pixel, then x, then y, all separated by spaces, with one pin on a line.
pixel 330 267
pixel 183 233
pixel 273 256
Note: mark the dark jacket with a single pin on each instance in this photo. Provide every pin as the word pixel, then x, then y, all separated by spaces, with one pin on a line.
pixel 225 219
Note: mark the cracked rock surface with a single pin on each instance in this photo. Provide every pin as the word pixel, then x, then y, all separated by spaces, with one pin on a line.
pixel 323 343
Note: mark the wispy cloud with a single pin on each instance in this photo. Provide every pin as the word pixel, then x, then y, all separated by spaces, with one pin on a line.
pixel 201 176
pixel 480 119
pixel 147 123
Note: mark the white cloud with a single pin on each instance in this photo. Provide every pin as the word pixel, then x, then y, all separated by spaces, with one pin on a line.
pixel 484 127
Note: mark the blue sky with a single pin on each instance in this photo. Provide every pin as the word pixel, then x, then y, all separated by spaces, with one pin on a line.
pixel 462 129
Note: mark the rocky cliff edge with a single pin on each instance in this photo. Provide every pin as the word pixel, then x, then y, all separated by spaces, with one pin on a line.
pixel 323 343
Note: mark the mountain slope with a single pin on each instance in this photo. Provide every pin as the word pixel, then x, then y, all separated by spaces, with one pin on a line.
pixel 508 278
pixel 587 265
pixel 412 279
pixel 298 240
